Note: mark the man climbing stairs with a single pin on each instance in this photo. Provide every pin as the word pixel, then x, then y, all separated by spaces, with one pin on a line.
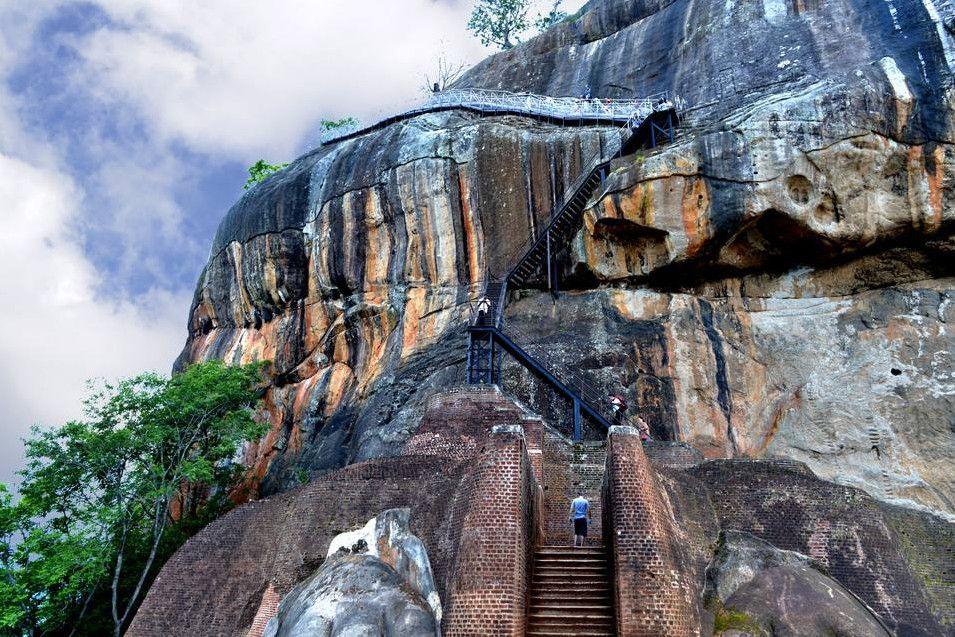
pixel 571 592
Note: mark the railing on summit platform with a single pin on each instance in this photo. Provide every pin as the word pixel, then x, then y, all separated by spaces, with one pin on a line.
pixel 580 109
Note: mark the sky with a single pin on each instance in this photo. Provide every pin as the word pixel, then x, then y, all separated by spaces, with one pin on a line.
pixel 126 128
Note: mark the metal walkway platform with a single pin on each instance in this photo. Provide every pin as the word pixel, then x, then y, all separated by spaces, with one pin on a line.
pixel 561 110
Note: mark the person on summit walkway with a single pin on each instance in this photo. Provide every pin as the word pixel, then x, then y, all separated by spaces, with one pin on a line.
pixel 580 514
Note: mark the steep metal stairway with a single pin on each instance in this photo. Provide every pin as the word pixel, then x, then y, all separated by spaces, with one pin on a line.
pixel 486 337
pixel 571 593
pixel 484 366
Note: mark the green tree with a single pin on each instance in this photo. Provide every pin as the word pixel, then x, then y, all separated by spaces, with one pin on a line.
pixel 106 499
pixel 544 22
pixel 260 171
pixel 497 22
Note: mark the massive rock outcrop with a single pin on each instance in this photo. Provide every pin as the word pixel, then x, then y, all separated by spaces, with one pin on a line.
pixel 778 282
pixel 761 590
pixel 376 580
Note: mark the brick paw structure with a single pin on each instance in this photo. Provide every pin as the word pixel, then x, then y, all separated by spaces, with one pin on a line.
pixel 571 592
pixel 489 487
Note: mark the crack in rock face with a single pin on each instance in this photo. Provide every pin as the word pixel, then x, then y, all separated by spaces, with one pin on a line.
pixel 775 283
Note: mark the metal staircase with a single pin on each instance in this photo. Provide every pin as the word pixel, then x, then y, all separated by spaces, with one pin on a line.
pixel 487 339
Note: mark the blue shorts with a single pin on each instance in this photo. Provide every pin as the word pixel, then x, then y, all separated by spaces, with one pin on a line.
pixel 580 526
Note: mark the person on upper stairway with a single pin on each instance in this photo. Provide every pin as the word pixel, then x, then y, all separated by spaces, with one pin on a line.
pixel 618 405
pixel 483 307
pixel 580 514
pixel 643 428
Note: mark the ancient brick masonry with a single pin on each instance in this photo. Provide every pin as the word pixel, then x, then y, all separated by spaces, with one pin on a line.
pixel 268 608
pixel 489 588
pixel 473 499
pixel 218 582
pixel 654 595
pixel 846 533
pixel 568 469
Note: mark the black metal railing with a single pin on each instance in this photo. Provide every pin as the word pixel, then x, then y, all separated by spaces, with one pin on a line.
pixel 587 388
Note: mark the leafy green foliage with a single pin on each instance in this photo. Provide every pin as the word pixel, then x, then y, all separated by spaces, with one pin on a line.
pixel 332 124
pixel 260 171
pixel 106 499
pixel 555 16
pixel 497 22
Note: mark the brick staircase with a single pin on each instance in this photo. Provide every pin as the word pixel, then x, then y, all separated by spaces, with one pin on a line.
pixel 571 590
pixel 570 593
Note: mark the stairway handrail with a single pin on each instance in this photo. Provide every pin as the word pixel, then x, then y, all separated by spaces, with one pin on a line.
pixel 569 375
pixel 517 256
pixel 577 387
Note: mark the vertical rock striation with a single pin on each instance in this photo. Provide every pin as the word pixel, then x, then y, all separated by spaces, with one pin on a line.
pixel 778 282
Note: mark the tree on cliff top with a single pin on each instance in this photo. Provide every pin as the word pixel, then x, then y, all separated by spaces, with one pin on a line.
pixel 444 74
pixel 260 171
pixel 106 499
pixel 556 15
pixel 497 22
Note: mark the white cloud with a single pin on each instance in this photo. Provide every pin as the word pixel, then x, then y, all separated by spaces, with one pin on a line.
pixel 57 331
pixel 229 79
pixel 248 78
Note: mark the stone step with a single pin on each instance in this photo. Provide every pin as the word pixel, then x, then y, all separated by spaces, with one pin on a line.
pixel 564 596
pixel 569 619
pixel 571 573
pixel 582 609
pixel 571 587
pixel 561 562
pixel 577 592
pixel 544 616
pixel 560 631
pixel 556 602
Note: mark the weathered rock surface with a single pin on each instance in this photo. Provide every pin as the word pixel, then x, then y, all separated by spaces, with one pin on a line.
pixel 352 269
pixel 782 594
pixel 894 559
pixel 857 384
pixel 353 595
pixel 388 537
pixel 780 278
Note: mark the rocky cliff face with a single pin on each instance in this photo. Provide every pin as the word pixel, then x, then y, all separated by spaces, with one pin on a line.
pixel 778 282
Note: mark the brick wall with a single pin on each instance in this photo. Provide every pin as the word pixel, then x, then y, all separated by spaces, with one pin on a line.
pixel 214 584
pixel 677 455
pixel 655 592
pixel 846 532
pixel 928 546
pixel 488 592
pixel 268 608
pixel 456 422
pixel 569 468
